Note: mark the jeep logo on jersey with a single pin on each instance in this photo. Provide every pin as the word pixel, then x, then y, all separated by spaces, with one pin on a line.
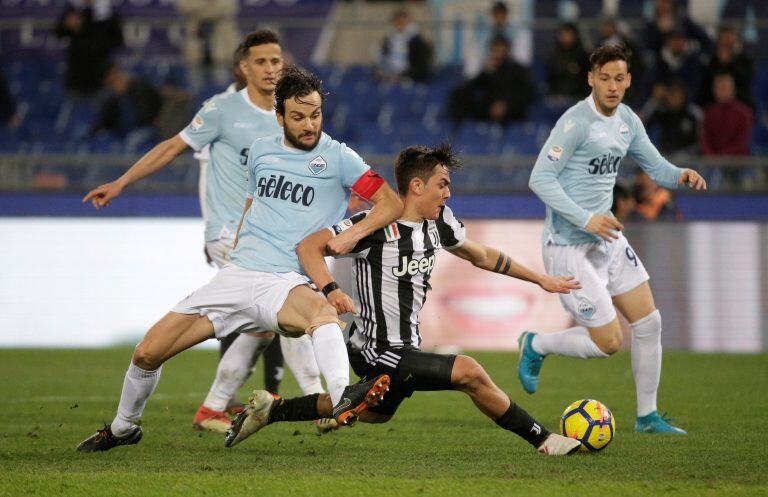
pixel 279 187
pixel 413 267
pixel 317 165
pixel 605 164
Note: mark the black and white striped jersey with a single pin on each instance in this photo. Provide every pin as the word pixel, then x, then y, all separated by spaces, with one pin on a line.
pixel 391 272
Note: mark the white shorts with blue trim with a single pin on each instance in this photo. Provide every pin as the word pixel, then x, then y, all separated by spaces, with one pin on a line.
pixel 604 270
pixel 238 300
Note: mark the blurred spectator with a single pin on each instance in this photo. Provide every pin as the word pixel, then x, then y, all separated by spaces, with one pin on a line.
pixel 653 202
pixel 502 93
pixel 679 60
pixel 569 65
pixel 94 35
pixel 729 57
pixel 496 24
pixel 668 16
pixel 679 121
pixel 611 32
pixel 404 52
pixel 8 115
pixel 211 37
pixel 623 202
pixel 728 123
pixel 132 104
pixel 727 127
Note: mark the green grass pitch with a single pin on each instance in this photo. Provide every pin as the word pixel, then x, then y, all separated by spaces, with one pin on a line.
pixel 438 444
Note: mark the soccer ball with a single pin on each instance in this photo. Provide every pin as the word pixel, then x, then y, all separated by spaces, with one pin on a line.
pixel 590 422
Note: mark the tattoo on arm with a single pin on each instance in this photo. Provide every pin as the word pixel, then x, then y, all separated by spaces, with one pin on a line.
pixel 502 265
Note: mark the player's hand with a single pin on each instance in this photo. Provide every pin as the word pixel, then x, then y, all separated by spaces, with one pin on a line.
pixel 559 284
pixel 341 244
pixel 693 179
pixel 341 301
pixel 605 227
pixel 102 196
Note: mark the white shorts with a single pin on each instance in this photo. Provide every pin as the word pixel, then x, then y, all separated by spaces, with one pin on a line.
pixel 238 300
pixel 219 251
pixel 604 271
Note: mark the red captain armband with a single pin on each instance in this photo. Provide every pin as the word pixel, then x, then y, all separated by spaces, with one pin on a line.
pixel 368 184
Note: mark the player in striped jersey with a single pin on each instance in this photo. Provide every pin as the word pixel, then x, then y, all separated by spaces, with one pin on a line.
pixel 392 271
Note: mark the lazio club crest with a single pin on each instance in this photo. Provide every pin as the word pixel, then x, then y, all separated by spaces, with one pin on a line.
pixel 318 165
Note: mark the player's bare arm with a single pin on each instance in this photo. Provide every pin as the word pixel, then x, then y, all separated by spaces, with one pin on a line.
pixel 160 156
pixel 248 203
pixel 311 251
pixel 494 260
pixel 387 207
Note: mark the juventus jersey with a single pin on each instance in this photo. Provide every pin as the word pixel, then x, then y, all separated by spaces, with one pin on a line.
pixel 391 272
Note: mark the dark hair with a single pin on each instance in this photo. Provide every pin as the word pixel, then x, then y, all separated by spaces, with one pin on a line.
pixel 240 53
pixel 296 82
pixel 500 7
pixel 609 53
pixel 258 37
pixel 419 162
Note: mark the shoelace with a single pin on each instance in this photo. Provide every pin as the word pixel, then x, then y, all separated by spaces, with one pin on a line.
pixel 667 419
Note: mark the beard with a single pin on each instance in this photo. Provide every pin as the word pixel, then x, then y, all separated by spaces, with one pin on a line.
pixel 294 141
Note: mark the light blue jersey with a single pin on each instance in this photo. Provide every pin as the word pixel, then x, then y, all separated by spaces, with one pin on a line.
pixel 295 193
pixel 229 124
pixel 576 169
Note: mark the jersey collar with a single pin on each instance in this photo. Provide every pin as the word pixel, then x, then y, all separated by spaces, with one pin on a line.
pixel 244 93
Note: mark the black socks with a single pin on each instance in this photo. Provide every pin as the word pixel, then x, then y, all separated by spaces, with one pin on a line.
pixel 521 423
pixel 296 409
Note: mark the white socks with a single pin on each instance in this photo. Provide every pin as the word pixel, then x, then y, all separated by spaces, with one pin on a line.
pixel 299 356
pixel 137 387
pixel 646 360
pixel 573 342
pixel 331 355
pixel 235 367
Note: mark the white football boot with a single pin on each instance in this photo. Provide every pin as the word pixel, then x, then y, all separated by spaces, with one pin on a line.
pixel 558 445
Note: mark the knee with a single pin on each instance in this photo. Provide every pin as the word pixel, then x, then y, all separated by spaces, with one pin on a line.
pixel 324 310
pixel 609 344
pixel 146 358
pixel 468 375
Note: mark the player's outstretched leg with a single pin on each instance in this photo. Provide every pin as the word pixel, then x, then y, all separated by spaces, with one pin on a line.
pixel 232 372
pixel 578 342
pixel 172 334
pixel 264 408
pixel 304 311
pixel 469 377
pixel 638 307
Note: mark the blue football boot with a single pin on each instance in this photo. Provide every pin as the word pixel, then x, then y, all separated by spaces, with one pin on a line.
pixel 653 423
pixel 529 365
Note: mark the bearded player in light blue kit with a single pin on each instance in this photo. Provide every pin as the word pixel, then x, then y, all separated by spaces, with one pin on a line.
pixel 223 129
pixel 298 182
pixel 574 176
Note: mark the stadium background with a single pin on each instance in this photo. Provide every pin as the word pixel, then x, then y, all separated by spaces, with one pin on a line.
pixel 72 277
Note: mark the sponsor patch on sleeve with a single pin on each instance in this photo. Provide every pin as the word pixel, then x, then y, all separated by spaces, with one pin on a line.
pixel 342 226
pixel 555 153
pixel 196 123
